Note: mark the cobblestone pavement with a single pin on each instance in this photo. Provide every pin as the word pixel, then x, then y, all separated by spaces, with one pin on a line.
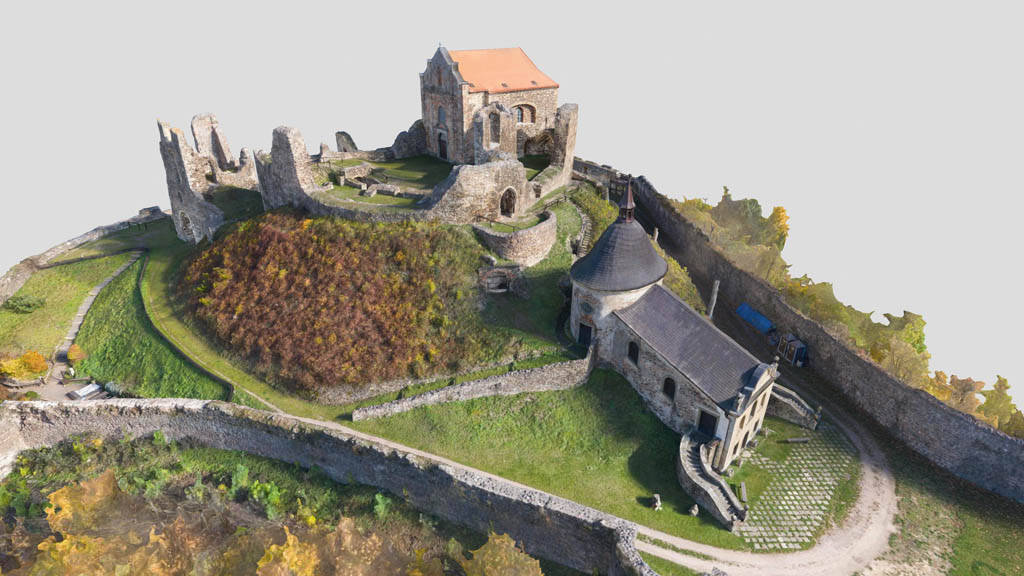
pixel 793 507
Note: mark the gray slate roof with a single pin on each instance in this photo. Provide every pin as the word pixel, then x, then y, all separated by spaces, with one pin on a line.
pixel 623 259
pixel 690 343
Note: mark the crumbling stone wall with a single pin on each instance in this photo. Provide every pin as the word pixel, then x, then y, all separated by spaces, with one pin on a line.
pixel 526 247
pixel 494 129
pixel 412 142
pixel 547 526
pixel 557 376
pixel 210 141
pixel 949 438
pixel 472 191
pixel 443 88
pixel 194 217
pixel 285 176
pixel 345 142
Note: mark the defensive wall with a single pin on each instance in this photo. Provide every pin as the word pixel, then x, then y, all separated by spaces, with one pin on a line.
pixel 15 278
pixel 547 526
pixel 947 437
pixel 527 246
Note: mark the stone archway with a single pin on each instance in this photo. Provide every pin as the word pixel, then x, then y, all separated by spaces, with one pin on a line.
pixel 442 145
pixel 508 202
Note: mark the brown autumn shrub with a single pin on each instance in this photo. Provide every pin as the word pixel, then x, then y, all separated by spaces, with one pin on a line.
pixel 326 301
pixel 76 354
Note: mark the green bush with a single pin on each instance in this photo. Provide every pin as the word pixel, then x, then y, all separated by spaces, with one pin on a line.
pixel 24 304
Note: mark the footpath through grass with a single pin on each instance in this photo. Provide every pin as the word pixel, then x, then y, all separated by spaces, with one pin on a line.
pixel 596 444
pixel 63 288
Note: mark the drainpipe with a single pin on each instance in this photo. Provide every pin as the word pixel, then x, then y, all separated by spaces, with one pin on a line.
pixel 713 300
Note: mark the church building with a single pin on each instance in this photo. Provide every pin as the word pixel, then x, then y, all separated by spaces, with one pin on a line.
pixel 697 380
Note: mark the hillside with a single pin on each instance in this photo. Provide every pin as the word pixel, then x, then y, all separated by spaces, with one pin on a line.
pixel 322 301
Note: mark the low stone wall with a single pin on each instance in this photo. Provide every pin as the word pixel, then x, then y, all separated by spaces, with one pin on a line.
pixel 547 526
pixel 558 376
pixel 949 438
pixel 526 247
pixel 15 278
pixel 789 406
pixel 696 488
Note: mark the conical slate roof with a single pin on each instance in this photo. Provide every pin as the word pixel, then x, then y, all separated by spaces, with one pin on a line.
pixel 623 258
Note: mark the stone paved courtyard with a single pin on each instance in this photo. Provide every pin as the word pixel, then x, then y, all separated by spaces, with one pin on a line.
pixel 792 509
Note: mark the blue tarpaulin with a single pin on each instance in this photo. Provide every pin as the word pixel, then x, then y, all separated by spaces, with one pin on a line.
pixel 755 318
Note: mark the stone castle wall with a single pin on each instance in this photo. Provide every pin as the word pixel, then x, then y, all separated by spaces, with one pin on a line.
pixel 15 278
pixel 473 191
pixel 557 376
pixel 949 438
pixel 526 247
pixel 547 526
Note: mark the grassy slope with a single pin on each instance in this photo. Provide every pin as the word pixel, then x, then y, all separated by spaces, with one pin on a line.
pixel 64 288
pixel 124 347
pixel 596 445
pixel 237 203
pixel 666 568
pixel 535 164
pixel 534 319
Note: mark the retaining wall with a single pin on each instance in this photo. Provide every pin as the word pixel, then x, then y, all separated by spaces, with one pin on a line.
pixel 949 438
pixel 526 247
pixel 558 376
pixel 547 526
pixel 15 278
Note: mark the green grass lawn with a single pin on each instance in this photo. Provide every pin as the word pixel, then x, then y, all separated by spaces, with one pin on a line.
pixel 666 568
pixel 422 172
pixel 237 203
pixel 534 320
pixel 535 164
pixel 123 346
pixel 348 193
pixel 595 444
pixel 63 288
pixel 127 239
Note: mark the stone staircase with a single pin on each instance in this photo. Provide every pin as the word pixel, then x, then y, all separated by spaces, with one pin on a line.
pixel 705 486
pixel 788 405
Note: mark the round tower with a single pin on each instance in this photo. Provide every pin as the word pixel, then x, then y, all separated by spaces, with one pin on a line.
pixel 620 268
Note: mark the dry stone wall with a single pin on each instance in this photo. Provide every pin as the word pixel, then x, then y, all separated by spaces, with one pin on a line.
pixel 186 171
pixel 951 439
pixel 558 376
pixel 547 526
pixel 526 247
pixel 472 191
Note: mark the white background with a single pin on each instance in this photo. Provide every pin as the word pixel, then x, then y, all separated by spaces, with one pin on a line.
pixel 892 132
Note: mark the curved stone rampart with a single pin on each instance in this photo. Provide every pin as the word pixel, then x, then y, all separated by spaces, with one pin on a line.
pixel 528 246
pixel 547 526
pixel 789 406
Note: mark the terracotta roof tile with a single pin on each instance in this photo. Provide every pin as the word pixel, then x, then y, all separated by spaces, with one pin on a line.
pixel 498 70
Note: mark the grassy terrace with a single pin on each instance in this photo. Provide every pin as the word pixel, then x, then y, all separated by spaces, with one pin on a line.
pixel 422 172
pixel 63 289
pixel 350 194
pixel 237 203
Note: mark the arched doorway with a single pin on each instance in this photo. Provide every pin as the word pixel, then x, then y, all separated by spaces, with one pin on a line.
pixel 508 202
pixel 442 146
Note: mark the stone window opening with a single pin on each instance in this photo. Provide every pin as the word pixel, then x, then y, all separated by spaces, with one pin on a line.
pixel 442 146
pixel 437 76
pixel 440 115
pixel 633 353
pixel 743 421
pixel 525 114
pixel 668 387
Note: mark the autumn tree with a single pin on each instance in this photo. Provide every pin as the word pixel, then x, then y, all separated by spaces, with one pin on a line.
pixel 499 557
pixel 906 364
pixel 964 395
pixel 76 354
pixel 1015 425
pixel 998 405
pixel 938 386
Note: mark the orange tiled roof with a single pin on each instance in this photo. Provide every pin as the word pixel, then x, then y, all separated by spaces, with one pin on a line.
pixel 499 70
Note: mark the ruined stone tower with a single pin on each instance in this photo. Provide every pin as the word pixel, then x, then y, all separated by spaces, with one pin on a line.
pixel 194 175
